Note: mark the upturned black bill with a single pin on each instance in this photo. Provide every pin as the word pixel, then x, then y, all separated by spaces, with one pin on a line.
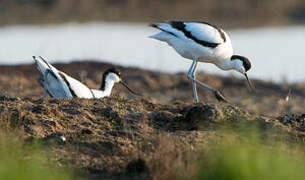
pixel 125 85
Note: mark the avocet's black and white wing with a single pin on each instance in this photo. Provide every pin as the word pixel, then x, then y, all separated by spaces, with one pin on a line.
pixel 204 34
pixel 77 88
pixel 59 84
pixel 51 81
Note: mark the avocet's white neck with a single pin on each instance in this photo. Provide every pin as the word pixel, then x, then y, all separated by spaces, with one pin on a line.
pixel 226 64
pixel 98 93
pixel 106 91
pixel 107 84
pixel 229 64
pixel 108 87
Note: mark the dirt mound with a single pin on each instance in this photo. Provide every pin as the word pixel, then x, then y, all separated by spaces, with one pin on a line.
pixel 98 136
pixel 101 137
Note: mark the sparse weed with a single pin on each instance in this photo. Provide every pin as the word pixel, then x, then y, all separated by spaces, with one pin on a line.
pixel 249 158
pixel 27 163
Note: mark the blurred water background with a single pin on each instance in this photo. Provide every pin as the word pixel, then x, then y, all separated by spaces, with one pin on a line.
pixel 273 58
pixel 270 33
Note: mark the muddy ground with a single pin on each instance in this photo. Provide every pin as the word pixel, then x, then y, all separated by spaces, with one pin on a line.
pixel 104 138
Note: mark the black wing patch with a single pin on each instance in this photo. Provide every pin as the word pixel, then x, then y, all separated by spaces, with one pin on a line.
pixel 68 84
pixel 49 71
pixel 92 93
pixel 181 27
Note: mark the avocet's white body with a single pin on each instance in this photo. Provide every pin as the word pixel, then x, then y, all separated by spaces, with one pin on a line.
pixel 60 85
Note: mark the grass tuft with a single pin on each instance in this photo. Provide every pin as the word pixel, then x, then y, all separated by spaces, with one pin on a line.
pixel 27 163
pixel 251 160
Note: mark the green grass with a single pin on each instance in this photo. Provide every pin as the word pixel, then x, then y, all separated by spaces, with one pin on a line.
pixel 22 162
pixel 251 160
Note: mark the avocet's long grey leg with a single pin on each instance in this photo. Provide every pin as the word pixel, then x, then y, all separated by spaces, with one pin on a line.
pixel 194 84
pixel 217 94
pixel 191 72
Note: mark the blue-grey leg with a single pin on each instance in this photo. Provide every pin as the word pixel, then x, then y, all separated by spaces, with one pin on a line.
pixel 194 83
pixel 191 76
pixel 191 73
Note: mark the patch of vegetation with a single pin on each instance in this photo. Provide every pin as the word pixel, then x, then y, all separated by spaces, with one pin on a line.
pixel 27 163
pixel 249 159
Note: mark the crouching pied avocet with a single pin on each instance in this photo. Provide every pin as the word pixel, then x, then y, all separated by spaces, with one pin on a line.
pixel 58 84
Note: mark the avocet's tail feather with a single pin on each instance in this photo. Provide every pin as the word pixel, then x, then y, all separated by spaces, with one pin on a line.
pixel 43 65
pixel 167 32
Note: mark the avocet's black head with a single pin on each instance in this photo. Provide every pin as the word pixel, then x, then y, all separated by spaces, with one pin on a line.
pixel 246 64
pixel 113 75
pixel 110 74
pixel 242 65
pixel 112 70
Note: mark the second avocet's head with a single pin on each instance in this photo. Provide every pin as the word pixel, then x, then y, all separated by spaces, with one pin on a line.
pixel 113 75
pixel 242 65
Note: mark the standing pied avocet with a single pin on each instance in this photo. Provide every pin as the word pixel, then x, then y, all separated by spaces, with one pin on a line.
pixel 60 85
pixel 202 42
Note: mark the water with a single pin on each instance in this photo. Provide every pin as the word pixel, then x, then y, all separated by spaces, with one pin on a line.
pixel 276 53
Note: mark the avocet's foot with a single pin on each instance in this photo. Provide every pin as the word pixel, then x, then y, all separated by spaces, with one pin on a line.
pixel 220 97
